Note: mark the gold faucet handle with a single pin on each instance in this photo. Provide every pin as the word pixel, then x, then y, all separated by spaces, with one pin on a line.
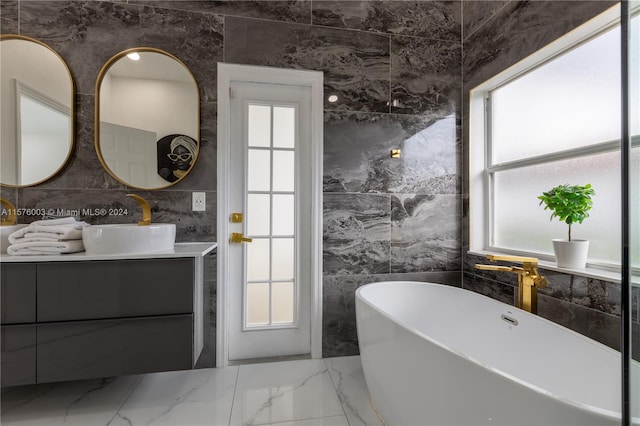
pixel 538 279
pixel 509 258
pixel 146 209
pixel 495 268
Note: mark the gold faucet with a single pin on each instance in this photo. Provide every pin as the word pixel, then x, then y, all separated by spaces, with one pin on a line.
pixel 12 217
pixel 146 210
pixel 529 279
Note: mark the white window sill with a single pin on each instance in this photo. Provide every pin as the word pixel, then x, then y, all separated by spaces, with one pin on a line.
pixel 590 272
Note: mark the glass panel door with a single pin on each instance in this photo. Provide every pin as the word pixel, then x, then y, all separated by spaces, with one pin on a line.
pixel 270 269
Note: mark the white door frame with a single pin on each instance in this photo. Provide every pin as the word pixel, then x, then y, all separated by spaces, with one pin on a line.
pixel 227 73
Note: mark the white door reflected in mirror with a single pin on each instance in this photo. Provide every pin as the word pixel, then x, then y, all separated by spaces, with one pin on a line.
pixel 37 112
pixel 148 111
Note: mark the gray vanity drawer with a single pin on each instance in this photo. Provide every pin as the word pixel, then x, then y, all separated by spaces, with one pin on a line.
pixel 114 289
pixel 109 348
pixel 18 284
pixel 18 355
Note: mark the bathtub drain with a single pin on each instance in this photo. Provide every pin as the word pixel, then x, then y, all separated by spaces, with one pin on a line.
pixel 510 320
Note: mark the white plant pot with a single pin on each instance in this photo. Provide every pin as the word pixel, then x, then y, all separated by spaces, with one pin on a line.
pixel 571 254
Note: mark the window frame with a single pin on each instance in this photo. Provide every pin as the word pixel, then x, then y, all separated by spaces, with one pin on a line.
pixel 481 168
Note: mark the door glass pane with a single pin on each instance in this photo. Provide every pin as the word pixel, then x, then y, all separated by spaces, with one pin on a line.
pixel 284 127
pixel 283 170
pixel 283 259
pixel 258 170
pixel 257 304
pixel 258 214
pixel 283 214
pixel 283 297
pixel 259 125
pixel 258 259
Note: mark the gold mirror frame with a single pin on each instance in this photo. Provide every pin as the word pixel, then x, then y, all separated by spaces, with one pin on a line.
pixel 103 72
pixel 72 111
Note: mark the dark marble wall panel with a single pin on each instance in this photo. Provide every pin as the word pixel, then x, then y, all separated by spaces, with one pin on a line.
pixel 425 76
pixel 339 314
pixel 276 10
pixel 88 33
pixel 356 234
pixel 355 64
pixel 430 19
pixel 425 233
pixel 9 17
pixel 477 13
pixel 591 293
pixel 357 153
pixel 519 29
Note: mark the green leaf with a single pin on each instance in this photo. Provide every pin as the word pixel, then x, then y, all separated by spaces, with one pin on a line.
pixel 568 203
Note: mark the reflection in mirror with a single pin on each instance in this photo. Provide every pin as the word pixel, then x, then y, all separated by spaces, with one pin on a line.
pixel 37 112
pixel 147 118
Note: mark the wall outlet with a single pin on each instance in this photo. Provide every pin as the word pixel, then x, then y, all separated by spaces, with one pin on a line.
pixel 198 201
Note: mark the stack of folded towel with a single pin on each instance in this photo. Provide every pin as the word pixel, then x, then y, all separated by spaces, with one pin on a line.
pixel 53 236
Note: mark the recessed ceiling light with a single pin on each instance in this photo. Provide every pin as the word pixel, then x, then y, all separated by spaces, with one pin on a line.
pixel 134 56
pixel 333 98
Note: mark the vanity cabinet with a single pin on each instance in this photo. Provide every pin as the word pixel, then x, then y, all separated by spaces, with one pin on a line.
pixel 89 319
pixel 18 332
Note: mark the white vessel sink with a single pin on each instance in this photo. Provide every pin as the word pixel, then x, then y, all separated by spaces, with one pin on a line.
pixel 5 231
pixel 128 238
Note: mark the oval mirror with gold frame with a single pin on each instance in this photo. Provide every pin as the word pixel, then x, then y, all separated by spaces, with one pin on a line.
pixel 37 112
pixel 147 126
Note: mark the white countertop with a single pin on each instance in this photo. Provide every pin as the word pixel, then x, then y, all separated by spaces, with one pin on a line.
pixel 179 250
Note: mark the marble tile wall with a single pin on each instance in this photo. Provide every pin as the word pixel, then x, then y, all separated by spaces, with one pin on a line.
pixel 496 35
pixel 395 67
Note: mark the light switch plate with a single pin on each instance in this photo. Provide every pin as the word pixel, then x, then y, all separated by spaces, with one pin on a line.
pixel 198 201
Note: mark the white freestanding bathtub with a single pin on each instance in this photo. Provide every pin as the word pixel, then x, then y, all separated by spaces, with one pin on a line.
pixel 439 355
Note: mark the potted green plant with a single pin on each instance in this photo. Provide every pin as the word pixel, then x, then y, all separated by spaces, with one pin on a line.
pixel 570 204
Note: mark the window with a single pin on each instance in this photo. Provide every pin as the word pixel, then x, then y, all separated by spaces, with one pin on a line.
pixel 552 119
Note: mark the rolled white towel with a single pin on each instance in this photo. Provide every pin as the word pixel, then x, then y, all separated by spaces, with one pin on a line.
pixel 59 232
pixel 34 248
pixel 58 221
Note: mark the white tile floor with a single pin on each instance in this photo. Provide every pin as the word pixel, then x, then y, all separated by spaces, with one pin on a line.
pixel 327 392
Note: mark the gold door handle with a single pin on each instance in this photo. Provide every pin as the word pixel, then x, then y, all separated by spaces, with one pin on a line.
pixel 239 238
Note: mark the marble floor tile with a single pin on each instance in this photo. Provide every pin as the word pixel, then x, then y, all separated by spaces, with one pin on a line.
pixel 192 397
pixel 348 379
pixel 284 391
pixel 81 403
pixel 309 392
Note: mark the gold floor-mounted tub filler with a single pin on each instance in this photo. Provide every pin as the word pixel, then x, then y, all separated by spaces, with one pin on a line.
pixel 529 279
